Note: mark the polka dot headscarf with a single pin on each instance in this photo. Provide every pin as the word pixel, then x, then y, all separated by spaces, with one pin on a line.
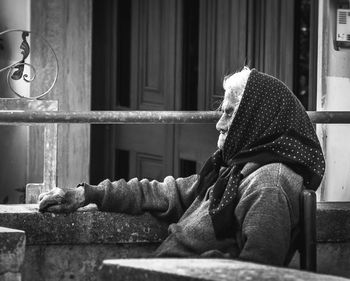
pixel 270 125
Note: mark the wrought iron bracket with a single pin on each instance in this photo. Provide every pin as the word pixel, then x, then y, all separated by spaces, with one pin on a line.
pixel 15 71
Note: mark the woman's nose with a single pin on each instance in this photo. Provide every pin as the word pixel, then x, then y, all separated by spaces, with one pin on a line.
pixel 221 124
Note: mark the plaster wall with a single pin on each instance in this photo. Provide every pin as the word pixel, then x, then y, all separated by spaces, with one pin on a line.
pixel 333 95
pixel 14 14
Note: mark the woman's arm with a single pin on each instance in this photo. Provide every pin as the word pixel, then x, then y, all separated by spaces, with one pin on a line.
pixel 167 200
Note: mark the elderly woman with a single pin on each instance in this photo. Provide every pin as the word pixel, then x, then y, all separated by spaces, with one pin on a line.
pixel 244 203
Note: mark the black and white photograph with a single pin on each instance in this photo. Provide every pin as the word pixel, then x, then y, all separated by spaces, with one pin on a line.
pixel 174 140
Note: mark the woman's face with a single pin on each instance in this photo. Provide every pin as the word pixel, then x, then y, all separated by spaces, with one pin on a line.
pixel 229 109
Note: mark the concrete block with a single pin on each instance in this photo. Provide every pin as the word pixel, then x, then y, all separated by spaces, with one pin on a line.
pixel 82 227
pixel 76 262
pixel 12 249
pixel 201 269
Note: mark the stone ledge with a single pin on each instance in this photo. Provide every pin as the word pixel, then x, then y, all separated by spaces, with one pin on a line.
pixel 12 248
pixel 86 226
pixel 201 269
pixel 333 222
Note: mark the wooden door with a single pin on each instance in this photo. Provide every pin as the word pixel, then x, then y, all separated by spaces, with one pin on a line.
pixel 173 55
pixel 146 151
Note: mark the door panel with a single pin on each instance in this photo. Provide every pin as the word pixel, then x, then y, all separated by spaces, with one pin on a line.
pixel 144 138
pixel 149 166
pixel 151 35
pixel 152 87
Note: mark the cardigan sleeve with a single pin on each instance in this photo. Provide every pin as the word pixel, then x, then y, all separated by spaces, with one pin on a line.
pixel 167 200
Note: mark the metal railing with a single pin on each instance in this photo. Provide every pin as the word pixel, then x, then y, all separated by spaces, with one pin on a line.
pixel 143 117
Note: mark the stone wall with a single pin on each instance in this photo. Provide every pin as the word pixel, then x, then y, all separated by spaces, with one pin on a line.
pixel 333 239
pixel 12 248
pixel 72 246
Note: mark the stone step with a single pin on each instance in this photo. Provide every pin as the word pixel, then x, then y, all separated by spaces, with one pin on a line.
pixel 201 269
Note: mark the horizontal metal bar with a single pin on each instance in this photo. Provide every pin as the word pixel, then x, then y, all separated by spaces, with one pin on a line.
pixel 110 117
pixel 329 117
pixel 143 117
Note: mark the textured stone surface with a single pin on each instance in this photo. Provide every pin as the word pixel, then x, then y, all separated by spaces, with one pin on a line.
pixel 91 226
pixel 76 262
pixel 201 269
pixel 12 248
pixel 334 258
pixel 27 105
pixel 333 222
pixel 10 277
pixel 83 227
pixel 62 244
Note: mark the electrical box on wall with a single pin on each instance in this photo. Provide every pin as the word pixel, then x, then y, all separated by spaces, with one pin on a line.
pixel 343 28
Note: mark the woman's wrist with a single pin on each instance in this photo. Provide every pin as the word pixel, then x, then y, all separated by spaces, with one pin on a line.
pixel 80 196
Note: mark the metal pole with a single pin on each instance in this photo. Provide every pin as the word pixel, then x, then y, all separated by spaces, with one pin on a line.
pixel 143 117
pixel 110 117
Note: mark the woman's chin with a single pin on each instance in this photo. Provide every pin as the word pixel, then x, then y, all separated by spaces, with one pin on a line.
pixel 221 142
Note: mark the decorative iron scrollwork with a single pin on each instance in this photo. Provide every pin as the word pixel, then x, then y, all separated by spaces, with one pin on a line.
pixel 26 50
pixel 16 70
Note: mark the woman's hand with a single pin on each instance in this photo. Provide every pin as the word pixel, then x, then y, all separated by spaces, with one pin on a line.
pixel 60 200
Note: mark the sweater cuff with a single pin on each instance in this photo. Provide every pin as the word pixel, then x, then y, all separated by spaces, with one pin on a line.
pixel 94 194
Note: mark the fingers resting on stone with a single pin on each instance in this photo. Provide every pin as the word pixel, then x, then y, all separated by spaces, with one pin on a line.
pixel 55 197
